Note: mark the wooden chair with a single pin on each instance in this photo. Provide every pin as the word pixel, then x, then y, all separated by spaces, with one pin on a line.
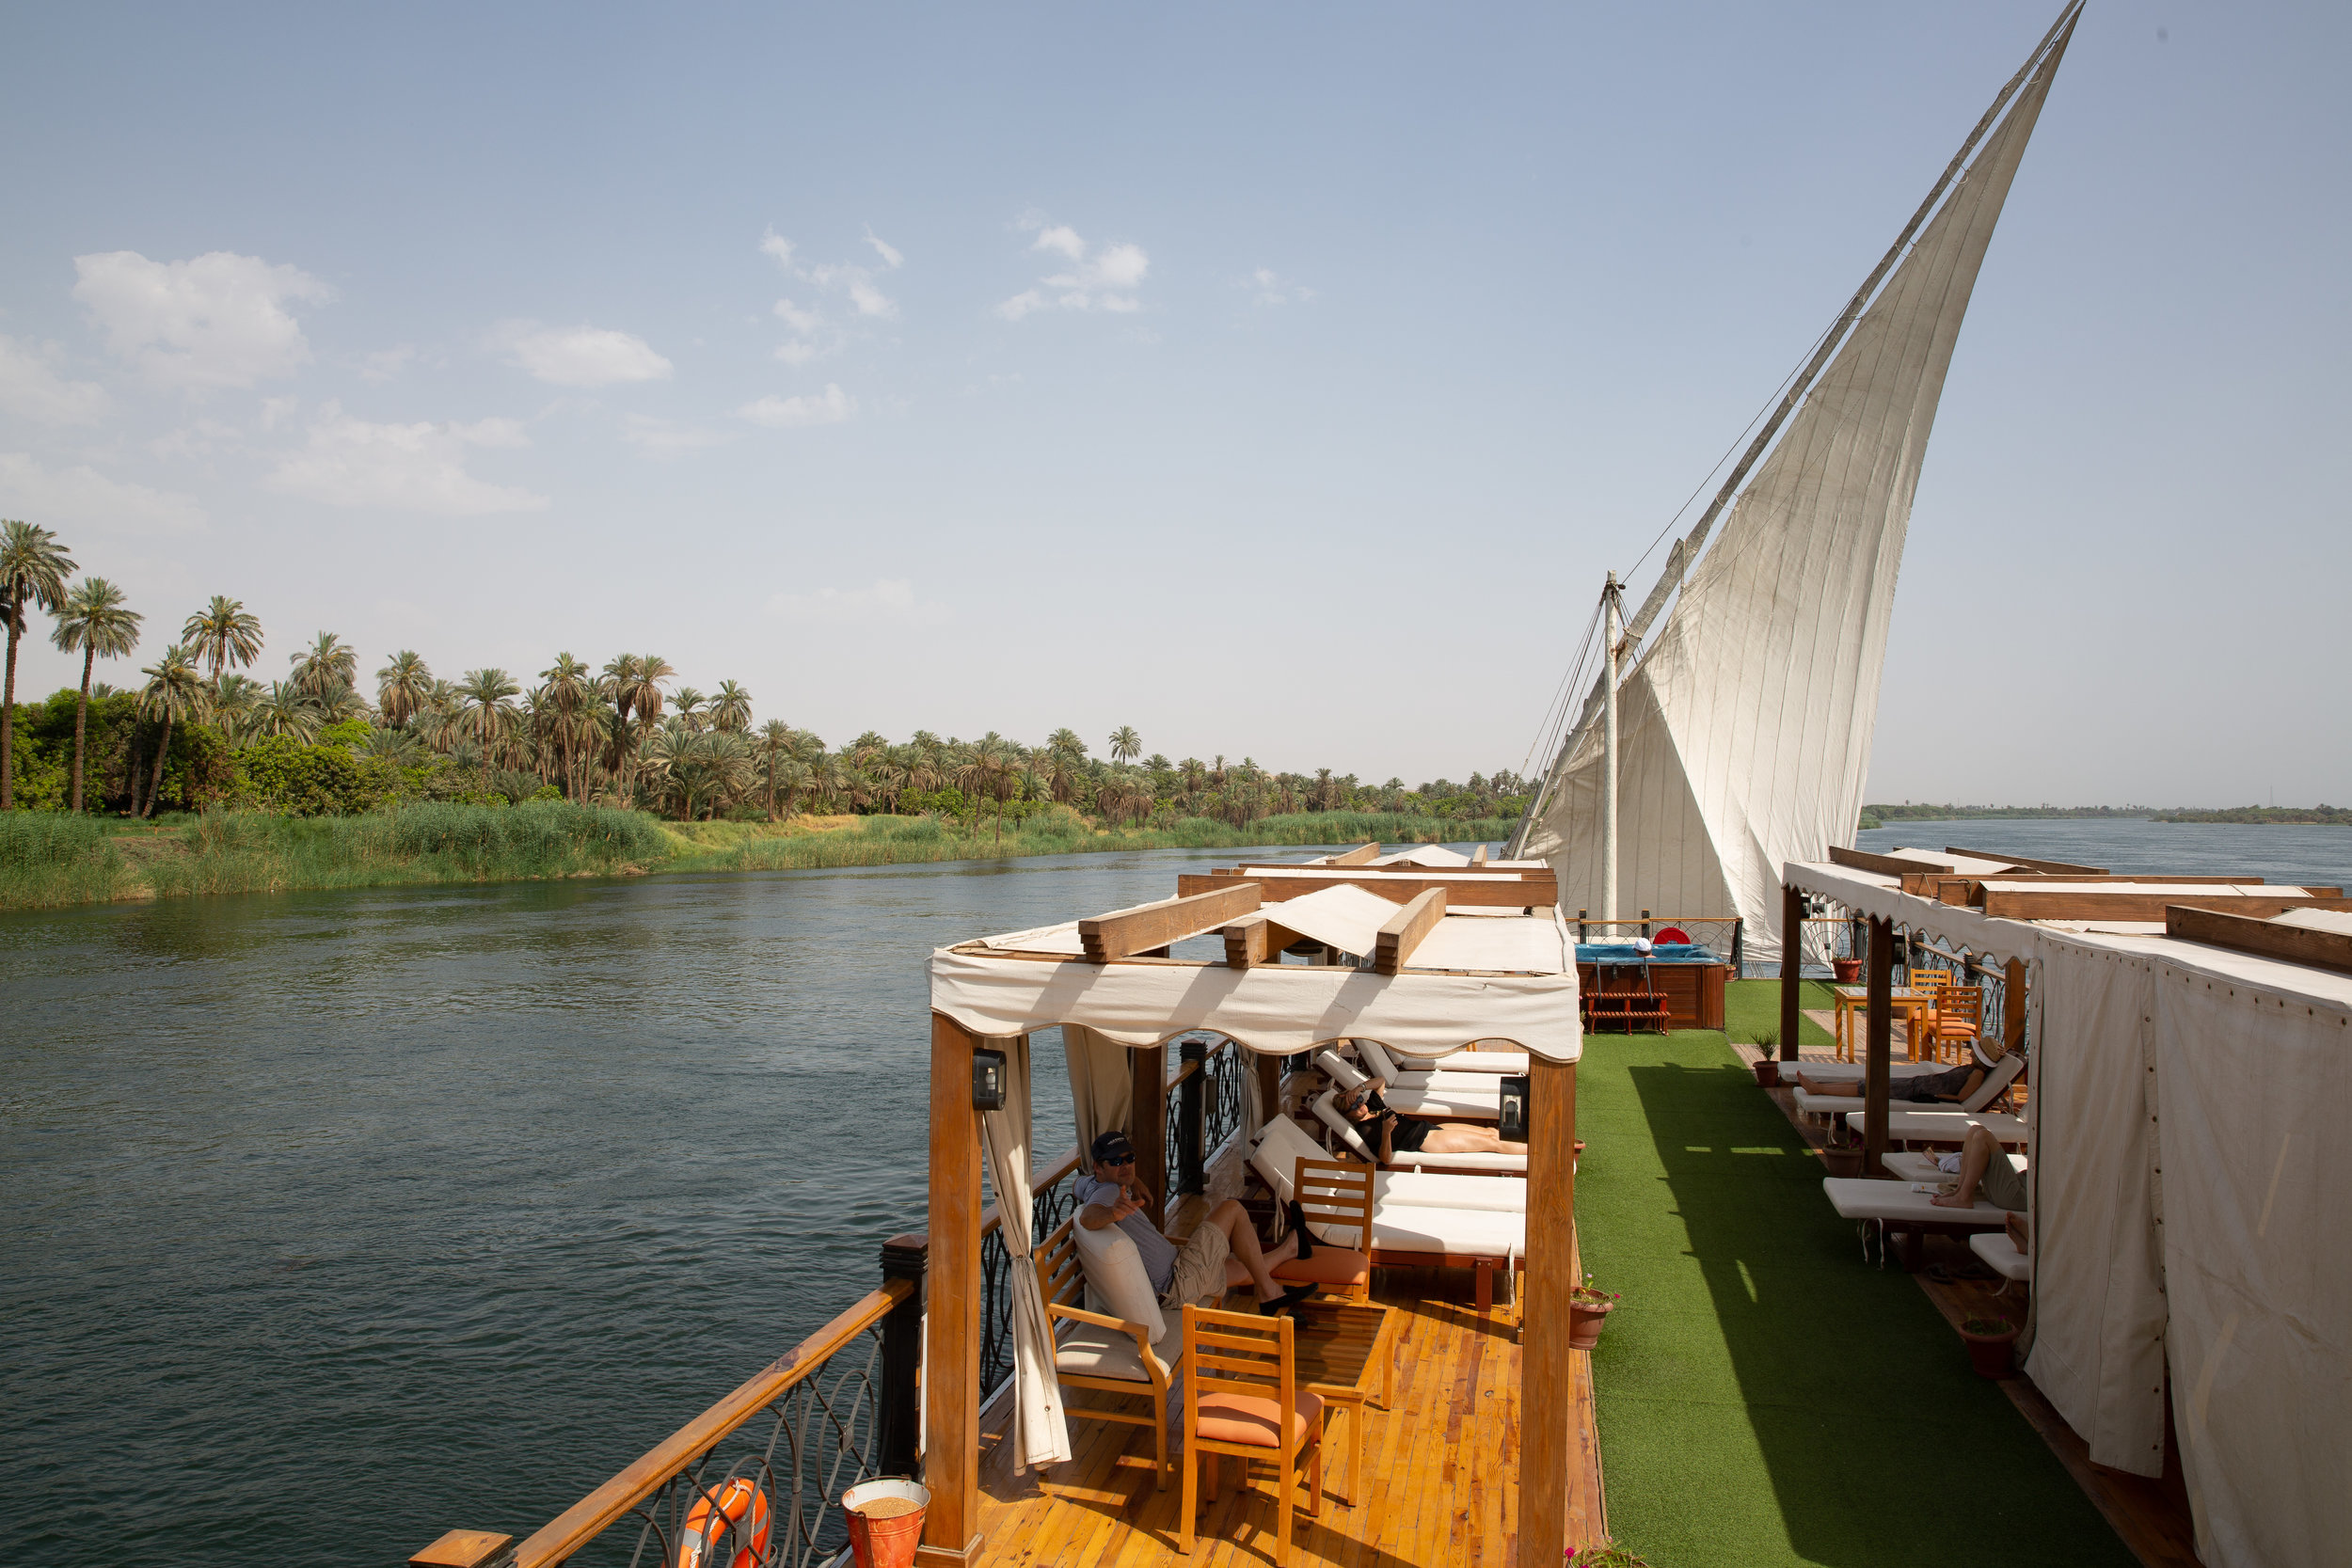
pixel 1335 1193
pixel 1959 1019
pixel 1242 1398
pixel 1106 1353
pixel 1920 1033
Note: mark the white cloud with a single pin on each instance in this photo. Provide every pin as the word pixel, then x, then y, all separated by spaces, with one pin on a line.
pixel 219 320
pixel 399 467
pixel 201 439
pixel 831 406
pixel 386 363
pixel 804 321
pixel 663 440
pixel 775 245
pixel 1101 278
pixel 1270 289
pixel 82 497
pixel 887 599
pixel 814 332
pixel 30 385
pixel 581 356
pixel 892 257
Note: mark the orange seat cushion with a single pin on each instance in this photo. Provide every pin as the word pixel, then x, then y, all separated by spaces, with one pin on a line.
pixel 1330 1265
pixel 1246 1418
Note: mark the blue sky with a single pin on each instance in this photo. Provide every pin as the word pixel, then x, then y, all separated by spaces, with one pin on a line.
pixel 1280 381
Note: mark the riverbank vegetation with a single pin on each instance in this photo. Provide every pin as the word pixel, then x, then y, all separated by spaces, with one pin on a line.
pixel 48 859
pixel 1874 816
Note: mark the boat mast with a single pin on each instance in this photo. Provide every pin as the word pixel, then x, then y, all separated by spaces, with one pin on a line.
pixel 1610 597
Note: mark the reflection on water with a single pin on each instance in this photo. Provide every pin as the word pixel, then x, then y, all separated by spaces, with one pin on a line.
pixel 2301 854
pixel 336 1220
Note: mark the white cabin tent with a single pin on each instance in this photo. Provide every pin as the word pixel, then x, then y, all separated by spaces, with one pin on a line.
pixel 1111 986
pixel 1744 724
pixel 2191 1241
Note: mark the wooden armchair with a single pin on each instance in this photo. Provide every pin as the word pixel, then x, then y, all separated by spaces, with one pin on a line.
pixel 1959 1019
pixel 1108 1354
pixel 1242 1398
pixel 1334 1193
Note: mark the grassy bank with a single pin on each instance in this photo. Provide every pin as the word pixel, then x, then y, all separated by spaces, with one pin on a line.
pixel 47 859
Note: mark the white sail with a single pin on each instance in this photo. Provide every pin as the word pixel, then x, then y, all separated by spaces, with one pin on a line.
pixel 1746 723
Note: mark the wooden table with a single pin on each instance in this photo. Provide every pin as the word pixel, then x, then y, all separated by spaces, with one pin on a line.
pixel 1856 999
pixel 1338 1346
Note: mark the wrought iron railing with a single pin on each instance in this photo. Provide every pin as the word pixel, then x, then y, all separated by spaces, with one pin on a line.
pixel 762 1471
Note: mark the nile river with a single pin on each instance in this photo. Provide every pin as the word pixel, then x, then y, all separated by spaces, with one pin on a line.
pixel 336 1220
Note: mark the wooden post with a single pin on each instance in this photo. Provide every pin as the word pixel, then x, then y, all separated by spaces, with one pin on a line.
pixel 1547 1372
pixel 1792 970
pixel 2013 1005
pixel 1146 1125
pixel 1192 1122
pixel 1269 1072
pixel 898 1411
pixel 951 1363
pixel 1880 1032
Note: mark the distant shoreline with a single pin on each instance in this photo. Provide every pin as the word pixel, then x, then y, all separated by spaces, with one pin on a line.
pixel 1886 817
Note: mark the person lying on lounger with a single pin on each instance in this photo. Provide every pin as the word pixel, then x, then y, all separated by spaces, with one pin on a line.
pixel 1390 1135
pixel 1222 1255
pixel 1985 1171
pixel 1926 1088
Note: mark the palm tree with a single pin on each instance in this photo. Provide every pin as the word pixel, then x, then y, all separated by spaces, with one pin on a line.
pixel 33 569
pixel 483 710
pixel 223 633
pixel 401 687
pixel 234 698
pixel 990 773
pixel 326 664
pixel 96 619
pixel 689 706
pixel 286 709
pixel 775 741
pixel 731 707
pixel 173 691
pixel 651 670
pixel 1125 744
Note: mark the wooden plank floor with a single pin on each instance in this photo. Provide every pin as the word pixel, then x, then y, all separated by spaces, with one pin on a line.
pixel 1441 1462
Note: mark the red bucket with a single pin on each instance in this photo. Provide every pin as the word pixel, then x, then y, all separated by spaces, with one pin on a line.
pixel 886 1538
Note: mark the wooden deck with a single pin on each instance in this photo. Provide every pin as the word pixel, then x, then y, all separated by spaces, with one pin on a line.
pixel 1441 1467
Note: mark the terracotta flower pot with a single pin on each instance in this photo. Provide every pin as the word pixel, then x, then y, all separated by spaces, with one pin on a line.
pixel 1845 1162
pixel 1991 1354
pixel 1768 1074
pixel 1586 1323
pixel 1846 970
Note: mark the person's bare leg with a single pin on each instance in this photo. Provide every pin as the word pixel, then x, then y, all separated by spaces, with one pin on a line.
pixel 1255 1262
pixel 1850 1088
pixel 1975 1152
pixel 1468 1137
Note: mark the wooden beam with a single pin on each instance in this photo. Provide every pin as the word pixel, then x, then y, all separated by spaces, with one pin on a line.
pixel 1885 865
pixel 2021 904
pixel 2013 1005
pixel 1255 939
pixel 2030 864
pixel 1146 1124
pixel 1357 856
pixel 1876 1084
pixel 1123 933
pixel 2296 944
pixel 1478 854
pixel 1791 969
pixel 1403 931
pixel 467 1548
pixel 952 1367
pixel 1547 1366
pixel 1536 890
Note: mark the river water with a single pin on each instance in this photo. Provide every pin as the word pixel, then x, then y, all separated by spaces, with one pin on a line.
pixel 336 1220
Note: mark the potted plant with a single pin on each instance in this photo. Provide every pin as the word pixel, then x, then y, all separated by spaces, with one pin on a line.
pixel 1588 1314
pixel 1842 1159
pixel 1846 970
pixel 1766 1067
pixel 1992 1345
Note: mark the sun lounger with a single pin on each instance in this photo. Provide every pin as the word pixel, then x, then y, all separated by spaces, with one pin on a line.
pixel 1476 1061
pixel 1327 1111
pixel 1406 1073
pixel 1997 1252
pixel 1995 1083
pixel 1906 1166
pixel 1477 1099
pixel 1880 1206
pixel 1283 1141
pixel 1942 1127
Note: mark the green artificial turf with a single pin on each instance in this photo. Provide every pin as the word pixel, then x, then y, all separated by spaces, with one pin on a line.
pixel 1765 1396
pixel 1753 1004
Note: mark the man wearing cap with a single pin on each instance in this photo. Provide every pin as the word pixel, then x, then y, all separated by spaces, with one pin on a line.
pixel 1222 1255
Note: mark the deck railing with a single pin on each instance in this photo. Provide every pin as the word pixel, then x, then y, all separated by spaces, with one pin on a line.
pixel 837 1409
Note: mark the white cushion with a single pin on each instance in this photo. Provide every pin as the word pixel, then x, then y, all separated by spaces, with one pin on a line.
pixel 1849 1073
pixel 1406 1189
pixel 1093 1351
pixel 1426 1161
pixel 1477 1233
pixel 1860 1198
pixel 2000 1255
pixel 1480 1061
pixel 1909 1167
pixel 1336 1067
pixel 1375 1060
pixel 1116 1274
pixel 1448 1103
pixel 1280 1146
pixel 1949 1126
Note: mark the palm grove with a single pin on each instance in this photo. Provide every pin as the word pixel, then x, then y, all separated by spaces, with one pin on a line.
pixel 198 731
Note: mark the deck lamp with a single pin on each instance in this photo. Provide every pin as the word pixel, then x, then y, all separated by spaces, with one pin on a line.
pixel 1512 1125
pixel 988 1080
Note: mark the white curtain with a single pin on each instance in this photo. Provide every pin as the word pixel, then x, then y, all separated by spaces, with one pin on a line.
pixel 1102 1089
pixel 1039 1434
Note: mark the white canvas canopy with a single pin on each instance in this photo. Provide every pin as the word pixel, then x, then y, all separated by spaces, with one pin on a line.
pixel 1746 722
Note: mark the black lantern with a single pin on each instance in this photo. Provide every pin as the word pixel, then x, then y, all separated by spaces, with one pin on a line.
pixel 1512 1125
pixel 988 1080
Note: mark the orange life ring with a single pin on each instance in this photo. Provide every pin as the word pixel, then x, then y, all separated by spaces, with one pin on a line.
pixel 739 1506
